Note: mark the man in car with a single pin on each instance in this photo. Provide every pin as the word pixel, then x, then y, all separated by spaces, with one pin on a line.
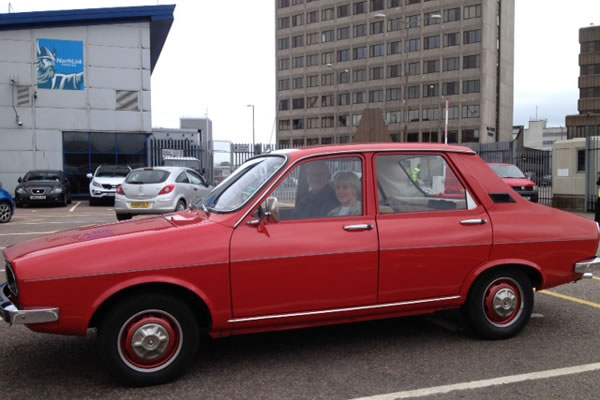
pixel 320 198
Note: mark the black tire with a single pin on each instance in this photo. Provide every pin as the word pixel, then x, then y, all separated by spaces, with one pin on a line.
pixel 170 341
pixel 123 217
pixel 499 303
pixel 180 206
pixel 70 198
pixel 64 200
pixel 6 212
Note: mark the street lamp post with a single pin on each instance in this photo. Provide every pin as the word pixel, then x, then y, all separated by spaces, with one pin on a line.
pixel 253 144
pixel 335 99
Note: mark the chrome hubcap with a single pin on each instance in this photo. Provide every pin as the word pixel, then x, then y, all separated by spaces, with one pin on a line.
pixel 150 341
pixel 505 302
pixel 4 212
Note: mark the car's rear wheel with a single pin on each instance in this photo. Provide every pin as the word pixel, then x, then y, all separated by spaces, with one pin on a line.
pixel 64 200
pixel 180 206
pixel 499 303
pixel 123 217
pixel 6 212
pixel 148 339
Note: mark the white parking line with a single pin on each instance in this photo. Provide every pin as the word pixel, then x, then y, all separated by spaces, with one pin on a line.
pixel 551 373
pixel 75 206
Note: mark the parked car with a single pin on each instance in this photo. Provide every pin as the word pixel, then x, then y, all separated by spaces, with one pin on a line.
pixel 240 261
pixel 7 206
pixel 158 190
pixel 43 187
pixel 517 180
pixel 104 182
pixel 190 162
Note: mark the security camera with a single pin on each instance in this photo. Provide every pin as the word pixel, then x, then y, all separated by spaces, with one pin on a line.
pixel 20 123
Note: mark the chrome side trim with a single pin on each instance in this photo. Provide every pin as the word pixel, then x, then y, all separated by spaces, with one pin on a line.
pixel 11 314
pixel 340 310
pixel 587 266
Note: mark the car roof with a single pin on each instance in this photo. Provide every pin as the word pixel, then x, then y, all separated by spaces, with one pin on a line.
pixel 162 168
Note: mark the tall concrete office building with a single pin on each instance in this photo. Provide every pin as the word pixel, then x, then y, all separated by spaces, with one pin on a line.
pixel 404 59
pixel 587 122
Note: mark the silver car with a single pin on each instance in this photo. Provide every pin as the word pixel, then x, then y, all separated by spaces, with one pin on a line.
pixel 158 190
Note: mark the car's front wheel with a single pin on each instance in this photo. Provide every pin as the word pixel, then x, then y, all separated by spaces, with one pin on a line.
pixel 148 339
pixel 6 212
pixel 499 303
pixel 123 217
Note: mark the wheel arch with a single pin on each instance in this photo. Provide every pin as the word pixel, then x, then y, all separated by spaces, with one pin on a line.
pixel 196 302
pixel 533 272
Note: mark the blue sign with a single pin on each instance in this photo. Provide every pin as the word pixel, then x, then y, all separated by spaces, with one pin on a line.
pixel 60 64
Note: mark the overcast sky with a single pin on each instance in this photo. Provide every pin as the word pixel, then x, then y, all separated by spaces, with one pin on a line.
pixel 220 56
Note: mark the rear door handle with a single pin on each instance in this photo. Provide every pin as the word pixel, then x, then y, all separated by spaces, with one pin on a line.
pixel 360 227
pixel 479 221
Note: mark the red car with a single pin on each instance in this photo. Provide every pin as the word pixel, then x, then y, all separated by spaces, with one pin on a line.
pixel 300 238
pixel 516 179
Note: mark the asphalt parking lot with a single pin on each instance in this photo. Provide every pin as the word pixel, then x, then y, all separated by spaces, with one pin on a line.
pixel 556 356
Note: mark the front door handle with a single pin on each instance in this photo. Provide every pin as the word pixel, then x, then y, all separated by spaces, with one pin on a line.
pixel 360 227
pixel 478 221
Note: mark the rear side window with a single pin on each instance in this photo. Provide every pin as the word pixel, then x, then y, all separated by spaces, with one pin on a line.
pixel 147 176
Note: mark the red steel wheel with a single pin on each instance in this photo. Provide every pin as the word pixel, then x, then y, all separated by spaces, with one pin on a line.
pixel 503 302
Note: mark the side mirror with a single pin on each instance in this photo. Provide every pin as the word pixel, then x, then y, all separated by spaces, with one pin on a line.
pixel 89 175
pixel 19 180
pixel 272 209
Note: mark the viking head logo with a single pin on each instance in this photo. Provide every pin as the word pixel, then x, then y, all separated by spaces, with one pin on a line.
pixel 46 65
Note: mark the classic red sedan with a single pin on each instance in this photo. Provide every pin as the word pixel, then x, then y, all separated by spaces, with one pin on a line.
pixel 299 238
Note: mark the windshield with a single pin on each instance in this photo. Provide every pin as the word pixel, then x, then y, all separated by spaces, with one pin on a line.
pixel 507 171
pixel 110 171
pixel 194 164
pixel 242 184
pixel 42 176
pixel 141 176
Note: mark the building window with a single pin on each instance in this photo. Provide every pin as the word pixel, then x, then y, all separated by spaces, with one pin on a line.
pixel 451 39
pixel 470 136
pixel 431 90
pixel 360 30
pixel 327 101
pixel 471 86
pixel 431 66
pixel 377 50
pixel 393 117
pixel 284 143
pixel 327 14
pixel 312 123
pixel 452 14
pixel 452 136
pixel 394 3
pixel 376 96
pixel 297 2
pixel 359 75
pixel 589 92
pixel 284 105
pixel 298 142
pixel 449 88
pixel 376 27
pixel 327 58
pixel 312 38
pixel 312 141
pixel 359 97
pixel 326 140
pixel 312 59
pixel 283 23
pixel 430 114
pixel 429 20
pixel 431 137
pixel 312 102
pixel 394 48
pixel 393 94
pixel 451 64
pixel 580 160
pixel 470 111
pixel 412 137
pixel 298 103
pixel 343 121
pixel 284 43
pixel 452 112
pixel 298 83
pixel 358 53
pixel 590 47
pixel 412 92
pixel 312 81
pixel 343 55
pixel 344 77
pixel 590 69
pixel 471 61
pixel 409 2
pixel 413 45
pixel 356 119
pixel 298 123
pixel 343 33
pixel 298 62
pixel 312 17
pixel 343 11
pixel 377 5
pixel 327 79
pixel 393 71
pixel 413 21
pixel 413 116
pixel 283 3
pixel 431 42
pixel 343 99
pixel 472 36
pixel 376 73
pixel 284 125
pixel 360 7
pixel 298 20
pixel 472 11
pixel 284 84
pixel 413 68
pixel 327 36
pixel 298 41
pixel 395 24
pixel 327 122
pixel 284 63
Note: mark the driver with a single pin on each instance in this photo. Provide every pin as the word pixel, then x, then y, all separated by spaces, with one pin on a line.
pixel 321 197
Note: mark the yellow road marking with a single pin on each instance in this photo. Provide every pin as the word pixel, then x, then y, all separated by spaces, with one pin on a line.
pixel 574 299
pixel 596 278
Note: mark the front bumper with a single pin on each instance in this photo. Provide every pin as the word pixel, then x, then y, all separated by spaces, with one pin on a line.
pixel 11 314
pixel 531 195
pixel 587 267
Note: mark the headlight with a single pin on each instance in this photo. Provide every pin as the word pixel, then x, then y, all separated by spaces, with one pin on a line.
pixel 21 190
pixel 534 187
pixel 11 279
pixel 57 189
pixel 94 183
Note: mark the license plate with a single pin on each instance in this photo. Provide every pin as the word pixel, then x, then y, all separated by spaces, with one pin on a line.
pixel 110 194
pixel 140 205
pixel 37 197
pixel 527 197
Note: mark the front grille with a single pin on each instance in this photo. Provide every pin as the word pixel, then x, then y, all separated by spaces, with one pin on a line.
pixel 11 279
pixel 108 186
pixel 37 190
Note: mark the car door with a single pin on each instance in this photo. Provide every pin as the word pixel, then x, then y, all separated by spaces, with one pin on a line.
pixel 432 232
pixel 184 187
pixel 198 186
pixel 314 259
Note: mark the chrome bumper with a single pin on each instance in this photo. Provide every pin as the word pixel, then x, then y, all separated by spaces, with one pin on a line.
pixel 587 267
pixel 11 314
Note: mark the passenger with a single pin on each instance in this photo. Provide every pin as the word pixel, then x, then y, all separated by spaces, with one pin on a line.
pixel 320 198
pixel 347 190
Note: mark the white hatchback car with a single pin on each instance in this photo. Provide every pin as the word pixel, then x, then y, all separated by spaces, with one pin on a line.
pixel 158 190
pixel 105 180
